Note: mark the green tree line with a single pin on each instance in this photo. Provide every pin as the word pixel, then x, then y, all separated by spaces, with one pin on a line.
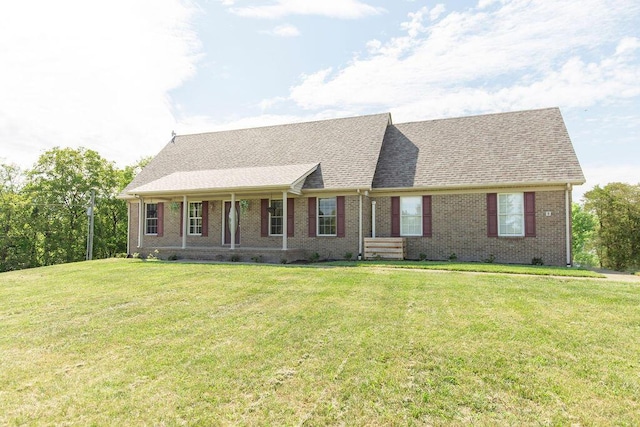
pixel 606 228
pixel 43 210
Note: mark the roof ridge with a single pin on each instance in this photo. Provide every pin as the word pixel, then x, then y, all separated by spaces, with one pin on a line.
pixel 505 113
pixel 286 124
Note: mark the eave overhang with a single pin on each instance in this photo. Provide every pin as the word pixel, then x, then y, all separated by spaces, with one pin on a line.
pixel 288 178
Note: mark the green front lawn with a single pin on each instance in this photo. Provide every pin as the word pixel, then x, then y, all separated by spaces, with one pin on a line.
pixel 537 270
pixel 127 342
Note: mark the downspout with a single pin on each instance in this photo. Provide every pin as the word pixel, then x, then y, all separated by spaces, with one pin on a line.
pixel 232 220
pixel 567 210
pixel 185 221
pixel 140 221
pixel 360 225
pixel 285 230
pixel 373 219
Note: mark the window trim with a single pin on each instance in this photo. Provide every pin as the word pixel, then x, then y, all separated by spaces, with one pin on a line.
pixel 499 214
pixel 189 229
pixel 318 234
pixel 147 218
pixel 420 234
pixel 270 216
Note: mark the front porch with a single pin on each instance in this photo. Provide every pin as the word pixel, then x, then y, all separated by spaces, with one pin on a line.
pixel 225 254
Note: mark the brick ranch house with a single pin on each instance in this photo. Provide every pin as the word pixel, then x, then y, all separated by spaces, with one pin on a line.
pixel 494 186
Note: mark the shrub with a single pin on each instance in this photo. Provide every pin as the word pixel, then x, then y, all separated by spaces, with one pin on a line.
pixel 235 258
pixel 172 257
pixel 315 257
pixel 283 260
pixel 422 256
pixel 537 261
pixel 453 257
pixel 257 258
pixel 491 259
pixel 348 256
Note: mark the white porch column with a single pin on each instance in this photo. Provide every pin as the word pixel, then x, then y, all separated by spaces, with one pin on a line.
pixel 140 221
pixel 232 220
pixel 373 219
pixel 185 221
pixel 567 212
pixel 284 221
pixel 128 228
pixel 360 226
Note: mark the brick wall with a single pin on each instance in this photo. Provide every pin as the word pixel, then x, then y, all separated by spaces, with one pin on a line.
pixel 250 226
pixel 459 226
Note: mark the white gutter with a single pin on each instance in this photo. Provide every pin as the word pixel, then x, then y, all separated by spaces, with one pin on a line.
pixel 487 185
pixel 567 202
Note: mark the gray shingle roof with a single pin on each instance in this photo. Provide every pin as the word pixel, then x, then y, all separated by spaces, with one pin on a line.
pixel 225 179
pixel 525 147
pixel 519 148
pixel 347 150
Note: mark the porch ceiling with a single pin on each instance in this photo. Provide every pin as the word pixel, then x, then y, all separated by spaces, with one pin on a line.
pixel 285 177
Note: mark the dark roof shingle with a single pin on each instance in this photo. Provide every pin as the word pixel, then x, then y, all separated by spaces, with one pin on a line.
pixel 347 150
pixel 524 147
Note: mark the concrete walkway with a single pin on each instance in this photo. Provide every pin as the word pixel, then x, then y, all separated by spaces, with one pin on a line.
pixel 617 275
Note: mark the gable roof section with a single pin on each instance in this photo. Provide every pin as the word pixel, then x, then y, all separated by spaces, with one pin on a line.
pixel 267 177
pixel 520 148
pixel 347 150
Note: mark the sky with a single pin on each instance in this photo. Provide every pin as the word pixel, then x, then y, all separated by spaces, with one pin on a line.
pixel 119 76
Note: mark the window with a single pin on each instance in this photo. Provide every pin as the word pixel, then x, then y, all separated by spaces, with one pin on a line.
pixel 195 218
pixel 151 218
pixel 276 218
pixel 411 216
pixel 327 217
pixel 511 214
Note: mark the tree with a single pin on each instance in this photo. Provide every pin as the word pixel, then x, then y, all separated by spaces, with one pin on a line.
pixel 583 234
pixel 18 247
pixel 617 208
pixel 60 185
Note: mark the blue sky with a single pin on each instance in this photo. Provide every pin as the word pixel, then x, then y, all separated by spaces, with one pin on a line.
pixel 119 76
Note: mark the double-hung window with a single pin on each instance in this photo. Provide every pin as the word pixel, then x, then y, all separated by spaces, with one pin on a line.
pixel 151 218
pixel 195 218
pixel 276 218
pixel 511 214
pixel 411 216
pixel 327 216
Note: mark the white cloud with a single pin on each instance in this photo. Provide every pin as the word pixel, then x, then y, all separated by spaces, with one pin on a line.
pixel 414 26
pixel 285 30
pixel 602 175
pixel 438 10
pixel 199 124
pixel 627 45
pixel 342 9
pixel 521 54
pixel 93 74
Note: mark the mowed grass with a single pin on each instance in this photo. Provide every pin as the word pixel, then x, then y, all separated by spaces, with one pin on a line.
pixel 478 267
pixel 127 342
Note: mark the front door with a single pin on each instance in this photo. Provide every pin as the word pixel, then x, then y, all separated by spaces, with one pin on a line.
pixel 227 223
